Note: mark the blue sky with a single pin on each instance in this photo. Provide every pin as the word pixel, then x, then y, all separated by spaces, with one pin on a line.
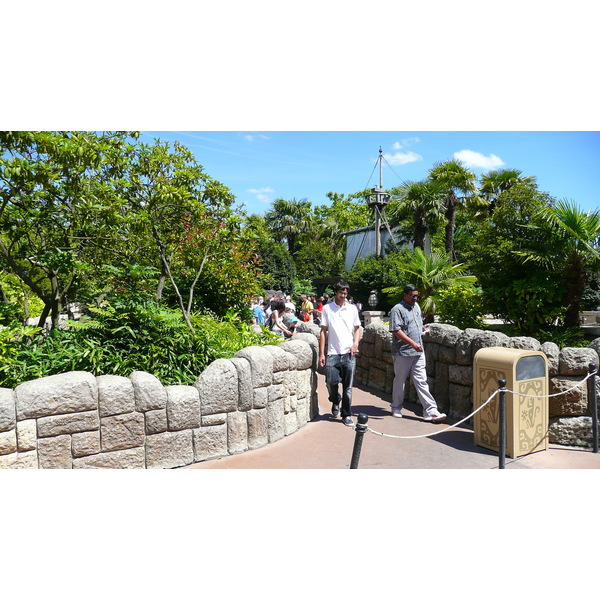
pixel 260 166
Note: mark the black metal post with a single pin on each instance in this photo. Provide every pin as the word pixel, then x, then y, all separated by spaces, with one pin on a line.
pixel 594 404
pixel 502 424
pixel 361 429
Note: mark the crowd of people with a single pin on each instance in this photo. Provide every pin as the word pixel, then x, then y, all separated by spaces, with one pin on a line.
pixel 339 320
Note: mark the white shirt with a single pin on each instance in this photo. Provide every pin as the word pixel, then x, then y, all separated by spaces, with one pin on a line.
pixel 341 322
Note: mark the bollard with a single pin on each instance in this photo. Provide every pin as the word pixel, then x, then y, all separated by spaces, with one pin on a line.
pixel 502 424
pixel 360 429
pixel 594 404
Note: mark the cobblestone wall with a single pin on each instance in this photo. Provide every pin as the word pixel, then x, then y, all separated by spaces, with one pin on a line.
pixel 449 353
pixel 76 420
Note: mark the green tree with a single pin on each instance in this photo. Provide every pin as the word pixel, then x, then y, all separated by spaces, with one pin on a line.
pixel 576 252
pixel 291 220
pixel 422 203
pixel 430 273
pixel 57 206
pixel 493 183
pixel 458 183
pixel 520 292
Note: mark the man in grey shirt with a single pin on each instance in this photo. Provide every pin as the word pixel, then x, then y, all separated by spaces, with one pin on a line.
pixel 406 325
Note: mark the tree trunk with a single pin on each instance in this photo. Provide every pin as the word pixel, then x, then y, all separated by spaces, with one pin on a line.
pixel 575 279
pixel 421 229
pixel 451 204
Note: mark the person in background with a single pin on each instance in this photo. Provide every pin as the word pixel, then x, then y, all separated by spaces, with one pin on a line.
pixel 306 305
pixel 260 315
pixel 406 325
pixel 276 319
pixel 338 345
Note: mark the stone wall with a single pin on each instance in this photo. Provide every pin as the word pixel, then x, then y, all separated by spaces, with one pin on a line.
pixel 449 353
pixel 76 420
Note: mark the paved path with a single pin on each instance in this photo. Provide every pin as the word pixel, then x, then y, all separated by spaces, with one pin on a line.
pixel 325 443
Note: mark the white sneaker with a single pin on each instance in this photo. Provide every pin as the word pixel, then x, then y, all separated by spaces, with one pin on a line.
pixel 396 412
pixel 435 417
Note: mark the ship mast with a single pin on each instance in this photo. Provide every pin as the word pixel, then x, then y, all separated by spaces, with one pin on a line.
pixel 377 200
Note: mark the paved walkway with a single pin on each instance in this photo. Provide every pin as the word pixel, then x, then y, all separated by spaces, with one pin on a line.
pixel 325 443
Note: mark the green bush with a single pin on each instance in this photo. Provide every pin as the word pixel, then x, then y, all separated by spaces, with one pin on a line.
pixel 128 336
pixel 460 306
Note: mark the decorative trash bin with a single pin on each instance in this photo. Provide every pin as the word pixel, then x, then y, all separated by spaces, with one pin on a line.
pixel 526 374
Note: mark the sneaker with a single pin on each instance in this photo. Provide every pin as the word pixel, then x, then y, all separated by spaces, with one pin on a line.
pixel 436 417
pixel 396 412
pixel 348 421
pixel 335 410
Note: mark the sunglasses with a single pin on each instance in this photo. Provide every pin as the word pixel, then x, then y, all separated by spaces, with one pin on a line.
pixel 414 295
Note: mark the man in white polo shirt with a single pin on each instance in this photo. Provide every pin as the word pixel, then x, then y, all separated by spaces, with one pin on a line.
pixel 340 331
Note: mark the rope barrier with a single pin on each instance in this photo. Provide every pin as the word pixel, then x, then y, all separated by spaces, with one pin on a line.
pixel 411 437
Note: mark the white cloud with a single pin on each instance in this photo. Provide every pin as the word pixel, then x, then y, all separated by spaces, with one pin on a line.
pixel 253 138
pixel 405 142
pixel 402 158
pixel 410 141
pixel 476 159
pixel 261 193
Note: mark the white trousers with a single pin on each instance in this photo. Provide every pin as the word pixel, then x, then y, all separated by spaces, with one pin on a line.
pixel 415 367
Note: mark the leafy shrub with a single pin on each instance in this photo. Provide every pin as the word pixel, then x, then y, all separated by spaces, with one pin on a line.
pixel 460 306
pixel 132 336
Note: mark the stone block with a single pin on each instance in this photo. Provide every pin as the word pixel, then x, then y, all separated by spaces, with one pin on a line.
pixel 261 397
pixel 8 412
pixel 276 392
pixel 463 375
pixel 210 442
pixel 55 452
pixel 169 449
pixel 377 379
pixel 572 400
pixel 571 431
pixel 115 395
pixel 132 458
pixel 70 423
pixel 302 411
pixel 245 389
pixel 148 391
pixel 156 421
pixel 464 347
pixel 275 415
pixel 301 350
pixel 210 420
pixel 576 361
pixel 120 432
pixel 261 365
pixel 237 432
pixel 290 423
pixel 552 352
pixel 523 342
pixel 26 435
pixel 8 442
pixel 72 392
pixel 367 349
pixel 85 444
pixel 218 387
pixel 460 402
pixel 447 355
pixel 19 460
pixel 183 407
pixel 258 435
pixel 280 358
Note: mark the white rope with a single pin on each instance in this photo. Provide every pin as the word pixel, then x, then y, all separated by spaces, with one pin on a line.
pixel 412 437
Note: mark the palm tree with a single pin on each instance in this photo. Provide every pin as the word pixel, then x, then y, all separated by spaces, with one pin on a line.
pixel 456 179
pixel 430 273
pixel 493 183
pixel 578 235
pixel 290 220
pixel 424 200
